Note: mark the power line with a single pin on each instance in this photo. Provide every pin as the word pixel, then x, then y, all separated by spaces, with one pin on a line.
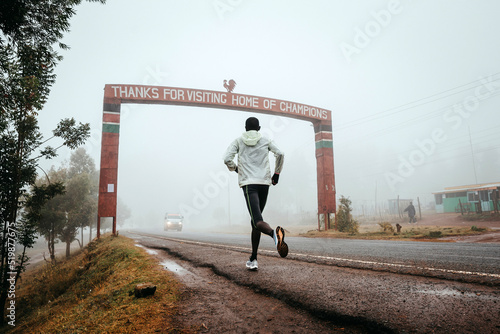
pixel 382 114
pixel 400 125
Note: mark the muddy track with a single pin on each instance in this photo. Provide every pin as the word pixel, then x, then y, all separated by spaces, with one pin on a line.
pixel 326 320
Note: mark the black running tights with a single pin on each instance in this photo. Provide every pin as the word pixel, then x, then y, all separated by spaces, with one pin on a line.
pixel 256 198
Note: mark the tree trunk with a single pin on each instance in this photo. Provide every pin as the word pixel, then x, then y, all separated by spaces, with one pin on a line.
pixel 68 249
pixel 3 299
pixel 52 242
pixel 81 244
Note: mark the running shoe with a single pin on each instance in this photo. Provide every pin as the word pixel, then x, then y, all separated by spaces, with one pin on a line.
pixel 281 246
pixel 252 265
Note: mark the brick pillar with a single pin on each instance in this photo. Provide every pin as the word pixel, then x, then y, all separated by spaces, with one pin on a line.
pixel 109 164
pixel 325 174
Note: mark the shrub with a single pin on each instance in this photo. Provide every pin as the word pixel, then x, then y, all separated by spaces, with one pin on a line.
pixel 345 222
pixel 386 227
pixel 435 234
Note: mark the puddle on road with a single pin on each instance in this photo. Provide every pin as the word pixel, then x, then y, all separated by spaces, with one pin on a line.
pixel 168 264
pixel 149 251
pixel 457 293
pixel 174 267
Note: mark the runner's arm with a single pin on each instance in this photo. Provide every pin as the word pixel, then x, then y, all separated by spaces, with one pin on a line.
pixel 280 157
pixel 231 152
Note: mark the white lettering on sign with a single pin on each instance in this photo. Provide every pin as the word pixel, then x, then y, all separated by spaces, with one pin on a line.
pixel 269 104
pixel 193 96
pixel 301 109
pixel 206 97
pixel 245 101
pixel 173 94
pixel 136 92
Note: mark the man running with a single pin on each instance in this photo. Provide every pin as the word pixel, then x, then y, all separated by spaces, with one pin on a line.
pixel 254 177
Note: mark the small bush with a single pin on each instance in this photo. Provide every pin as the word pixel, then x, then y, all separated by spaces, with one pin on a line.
pixel 386 227
pixel 477 229
pixel 435 234
pixel 345 223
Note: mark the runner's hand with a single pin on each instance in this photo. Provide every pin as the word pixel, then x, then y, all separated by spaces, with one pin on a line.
pixel 275 179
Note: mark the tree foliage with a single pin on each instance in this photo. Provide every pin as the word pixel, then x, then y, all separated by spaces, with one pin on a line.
pixel 29 51
pixel 73 209
pixel 80 199
pixel 345 222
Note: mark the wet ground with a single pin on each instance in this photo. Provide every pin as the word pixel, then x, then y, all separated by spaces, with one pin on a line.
pixel 286 296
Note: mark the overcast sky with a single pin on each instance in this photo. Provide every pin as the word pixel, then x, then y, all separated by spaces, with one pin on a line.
pixel 413 87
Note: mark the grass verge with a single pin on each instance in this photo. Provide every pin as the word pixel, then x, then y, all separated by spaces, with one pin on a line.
pixel 90 293
pixel 376 232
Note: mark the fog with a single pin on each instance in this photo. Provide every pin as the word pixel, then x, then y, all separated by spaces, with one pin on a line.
pixel 412 86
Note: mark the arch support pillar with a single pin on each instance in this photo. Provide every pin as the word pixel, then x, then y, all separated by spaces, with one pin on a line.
pixel 108 178
pixel 325 175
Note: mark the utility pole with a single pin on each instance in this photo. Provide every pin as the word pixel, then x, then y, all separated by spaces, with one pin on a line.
pixel 472 153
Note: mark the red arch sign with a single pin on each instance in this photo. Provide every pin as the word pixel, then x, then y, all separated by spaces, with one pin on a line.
pixel 115 95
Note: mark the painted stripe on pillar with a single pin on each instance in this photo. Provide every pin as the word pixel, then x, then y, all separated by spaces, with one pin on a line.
pixel 110 127
pixel 322 127
pixel 111 107
pixel 324 144
pixel 323 136
pixel 111 118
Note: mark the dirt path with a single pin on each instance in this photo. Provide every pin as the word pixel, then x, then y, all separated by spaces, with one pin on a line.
pixel 213 304
pixel 453 219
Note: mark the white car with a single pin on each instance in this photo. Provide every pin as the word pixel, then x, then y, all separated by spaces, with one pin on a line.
pixel 173 221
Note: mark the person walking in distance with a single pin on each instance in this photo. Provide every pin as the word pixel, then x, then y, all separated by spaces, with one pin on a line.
pixel 254 177
pixel 411 213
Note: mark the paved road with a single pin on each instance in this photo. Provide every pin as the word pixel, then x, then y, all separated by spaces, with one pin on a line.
pixel 470 262
pixel 379 300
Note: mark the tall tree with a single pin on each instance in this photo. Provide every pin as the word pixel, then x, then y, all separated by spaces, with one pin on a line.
pixel 62 216
pixel 30 30
pixel 78 209
pixel 52 216
pixel 80 198
pixel 28 225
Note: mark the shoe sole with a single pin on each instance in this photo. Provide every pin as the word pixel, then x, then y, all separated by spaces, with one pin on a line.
pixel 282 246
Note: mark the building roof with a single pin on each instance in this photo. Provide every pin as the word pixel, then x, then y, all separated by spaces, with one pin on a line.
pixel 471 187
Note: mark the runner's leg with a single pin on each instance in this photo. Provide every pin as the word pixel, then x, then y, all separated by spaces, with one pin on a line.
pixel 255 243
pixel 255 198
pixel 261 225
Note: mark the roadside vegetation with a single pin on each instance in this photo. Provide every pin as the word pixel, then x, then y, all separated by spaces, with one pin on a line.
pixel 388 231
pixel 345 221
pixel 91 293
pixel 31 35
pixel 481 217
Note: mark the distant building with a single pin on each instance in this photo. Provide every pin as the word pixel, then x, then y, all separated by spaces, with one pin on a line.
pixel 472 197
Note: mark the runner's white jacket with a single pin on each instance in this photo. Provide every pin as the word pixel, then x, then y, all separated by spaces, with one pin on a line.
pixel 253 158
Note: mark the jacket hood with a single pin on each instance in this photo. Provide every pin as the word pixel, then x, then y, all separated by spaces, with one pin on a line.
pixel 251 138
